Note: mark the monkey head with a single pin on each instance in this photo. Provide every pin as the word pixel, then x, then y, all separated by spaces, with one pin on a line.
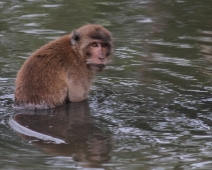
pixel 94 43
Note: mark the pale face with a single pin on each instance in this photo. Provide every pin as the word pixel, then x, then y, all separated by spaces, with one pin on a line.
pixel 98 54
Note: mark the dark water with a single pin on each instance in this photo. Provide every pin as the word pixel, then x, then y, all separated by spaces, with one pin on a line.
pixel 152 107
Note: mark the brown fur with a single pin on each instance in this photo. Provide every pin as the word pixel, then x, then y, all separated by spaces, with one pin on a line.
pixel 63 69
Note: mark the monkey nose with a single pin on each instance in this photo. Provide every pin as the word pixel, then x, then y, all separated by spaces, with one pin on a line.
pixel 101 57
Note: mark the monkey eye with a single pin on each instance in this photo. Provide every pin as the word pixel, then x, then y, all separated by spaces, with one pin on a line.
pixel 94 44
pixel 104 45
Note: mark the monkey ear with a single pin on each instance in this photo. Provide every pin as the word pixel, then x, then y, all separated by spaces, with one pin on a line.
pixel 75 37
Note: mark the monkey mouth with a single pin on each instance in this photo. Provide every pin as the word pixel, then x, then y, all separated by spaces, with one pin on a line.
pixel 97 67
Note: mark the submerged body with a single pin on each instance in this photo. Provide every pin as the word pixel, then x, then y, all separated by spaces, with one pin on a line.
pixel 63 69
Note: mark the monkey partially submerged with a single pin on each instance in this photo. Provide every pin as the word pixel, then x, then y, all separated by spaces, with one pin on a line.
pixel 63 69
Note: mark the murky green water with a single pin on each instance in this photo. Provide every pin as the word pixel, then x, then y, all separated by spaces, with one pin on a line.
pixel 150 109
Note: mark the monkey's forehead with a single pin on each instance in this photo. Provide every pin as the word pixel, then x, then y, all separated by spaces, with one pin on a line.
pixel 100 35
pixel 95 32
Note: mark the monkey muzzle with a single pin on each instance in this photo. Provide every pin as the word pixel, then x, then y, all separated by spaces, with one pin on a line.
pixel 97 67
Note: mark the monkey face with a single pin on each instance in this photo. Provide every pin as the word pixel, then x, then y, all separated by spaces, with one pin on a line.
pixel 95 43
pixel 98 55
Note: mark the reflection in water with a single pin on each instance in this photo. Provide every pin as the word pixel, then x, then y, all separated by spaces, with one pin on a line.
pixel 65 131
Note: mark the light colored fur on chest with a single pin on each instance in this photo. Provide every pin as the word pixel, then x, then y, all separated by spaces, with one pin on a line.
pixel 78 89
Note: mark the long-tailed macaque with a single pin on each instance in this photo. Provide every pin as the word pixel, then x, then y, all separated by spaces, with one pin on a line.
pixel 63 69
